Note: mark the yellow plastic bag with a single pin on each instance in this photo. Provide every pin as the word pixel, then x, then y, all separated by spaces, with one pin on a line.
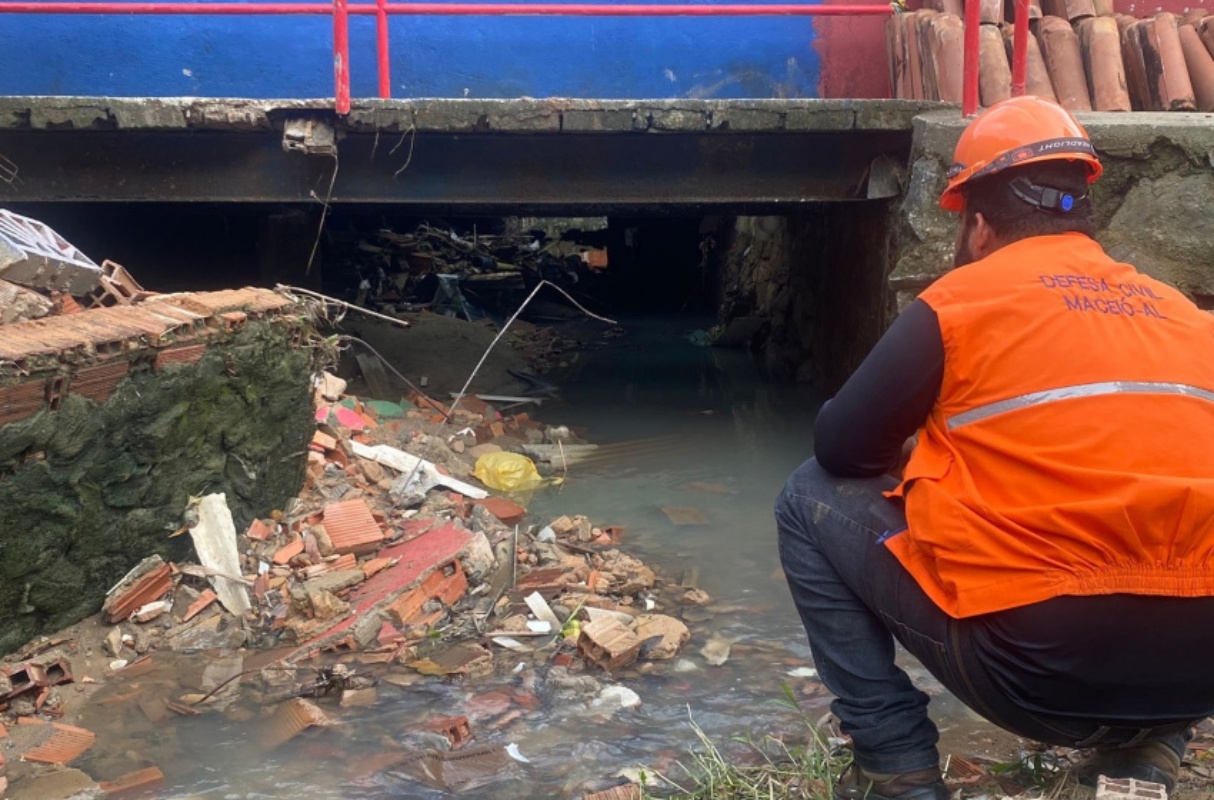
pixel 508 472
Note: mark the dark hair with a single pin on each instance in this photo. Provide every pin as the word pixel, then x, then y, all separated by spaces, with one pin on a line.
pixel 1012 219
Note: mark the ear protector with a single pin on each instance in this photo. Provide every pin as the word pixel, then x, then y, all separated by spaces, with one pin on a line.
pixel 1044 198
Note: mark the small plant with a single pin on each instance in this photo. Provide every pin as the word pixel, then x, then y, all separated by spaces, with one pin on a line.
pixel 798 772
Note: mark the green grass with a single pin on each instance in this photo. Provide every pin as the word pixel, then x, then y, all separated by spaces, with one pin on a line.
pixel 763 770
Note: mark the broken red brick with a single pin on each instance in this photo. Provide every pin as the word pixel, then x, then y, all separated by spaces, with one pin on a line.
pixel 627 791
pixel 147 589
pixel 607 643
pixel 447 585
pixel 508 512
pixel 24 678
pixel 388 634
pixel 259 531
pixel 133 783
pixel 289 551
pixel 376 565
pixel 198 606
pixel 65 744
pixel 456 729
pixel 291 719
pixel 322 441
pixel 351 527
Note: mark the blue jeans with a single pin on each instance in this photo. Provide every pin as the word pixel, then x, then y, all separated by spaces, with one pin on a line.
pixel 855 598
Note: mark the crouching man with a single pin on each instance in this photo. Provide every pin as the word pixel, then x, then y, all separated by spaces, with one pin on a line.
pixel 1049 552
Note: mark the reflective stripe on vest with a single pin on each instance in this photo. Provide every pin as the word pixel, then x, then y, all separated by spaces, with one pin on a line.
pixel 1071 392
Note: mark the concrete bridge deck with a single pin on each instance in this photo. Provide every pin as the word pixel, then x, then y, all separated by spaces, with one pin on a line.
pixel 525 154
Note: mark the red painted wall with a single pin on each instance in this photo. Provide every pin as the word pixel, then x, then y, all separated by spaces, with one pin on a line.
pixel 851 52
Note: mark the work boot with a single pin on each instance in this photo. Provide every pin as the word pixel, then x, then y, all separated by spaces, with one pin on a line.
pixel 1153 761
pixel 922 784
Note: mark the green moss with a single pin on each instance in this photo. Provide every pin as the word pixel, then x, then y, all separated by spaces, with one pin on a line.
pixel 116 477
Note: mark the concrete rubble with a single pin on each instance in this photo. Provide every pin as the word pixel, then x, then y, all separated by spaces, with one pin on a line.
pixel 1081 54
pixel 354 581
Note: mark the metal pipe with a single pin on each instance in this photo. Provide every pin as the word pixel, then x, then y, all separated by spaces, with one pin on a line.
pixel 341 57
pixel 969 88
pixel 451 9
pixel 381 49
pixel 1020 49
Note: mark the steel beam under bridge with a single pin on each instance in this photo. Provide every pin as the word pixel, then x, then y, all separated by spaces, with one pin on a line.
pixel 419 165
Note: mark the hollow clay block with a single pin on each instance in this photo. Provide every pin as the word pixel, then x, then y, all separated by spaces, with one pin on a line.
pixel 1141 97
pixel 990 12
pixel 1194 16
pixel 948 56
pixel 1101 46
pixel 1171 75
pixel 1080 9
pixel 913 37
pixel 947 7
pixel 894 55
pixel 1206 30
pixel 927 68
pixel 1060 49
pixel 994 71
pixel 1037 77
pixel 1104 8
pixel 1201 67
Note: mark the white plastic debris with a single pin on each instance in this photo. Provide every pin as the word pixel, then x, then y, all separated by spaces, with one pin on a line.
pixel 617 697
pixel 803 672
pixel 118 664
pixel 426 475
pixel 539 626
pixel 513 752
pixel 546 534
pixel 150 611
pixel 539 606
pixel 215 541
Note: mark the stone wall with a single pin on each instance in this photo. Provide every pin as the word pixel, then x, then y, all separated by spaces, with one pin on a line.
pixel 90 489
pixel 818 278
pixel 1152 203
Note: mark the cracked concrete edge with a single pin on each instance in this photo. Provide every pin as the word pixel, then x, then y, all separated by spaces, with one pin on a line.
pixel 525 115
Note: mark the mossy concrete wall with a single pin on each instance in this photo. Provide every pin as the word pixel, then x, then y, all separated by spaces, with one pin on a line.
pixel 1152 204
pixel 89 490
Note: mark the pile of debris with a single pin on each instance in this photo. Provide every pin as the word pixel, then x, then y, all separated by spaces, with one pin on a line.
pixel 467 275
pixel 1081 54
pixel 42 274
pixel 390 563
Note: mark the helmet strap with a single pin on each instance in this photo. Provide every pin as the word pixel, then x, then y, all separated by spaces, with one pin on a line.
pixel 1044 198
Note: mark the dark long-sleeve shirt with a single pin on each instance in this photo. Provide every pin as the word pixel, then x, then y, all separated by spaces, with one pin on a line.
pixel 860 432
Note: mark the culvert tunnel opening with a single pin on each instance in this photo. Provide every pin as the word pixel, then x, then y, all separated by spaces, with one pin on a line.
pixel 805 290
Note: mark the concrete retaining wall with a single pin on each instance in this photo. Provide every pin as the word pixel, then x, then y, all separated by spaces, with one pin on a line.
pixel 1152 203
pixel 89 489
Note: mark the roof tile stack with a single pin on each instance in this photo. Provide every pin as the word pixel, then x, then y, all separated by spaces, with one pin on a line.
pixel 1081 54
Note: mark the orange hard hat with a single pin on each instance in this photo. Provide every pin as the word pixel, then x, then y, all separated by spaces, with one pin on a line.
pixel 1012 133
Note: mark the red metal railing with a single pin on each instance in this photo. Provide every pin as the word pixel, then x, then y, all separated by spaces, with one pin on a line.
pixel 381 9
pixel 1020 50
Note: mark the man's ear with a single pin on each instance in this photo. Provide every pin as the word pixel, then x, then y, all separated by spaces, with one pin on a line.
pixel 983 238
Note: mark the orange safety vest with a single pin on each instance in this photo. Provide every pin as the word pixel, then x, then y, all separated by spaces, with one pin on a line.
pixel 1071 448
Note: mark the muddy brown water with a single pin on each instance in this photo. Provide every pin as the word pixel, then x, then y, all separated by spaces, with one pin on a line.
pixel 681 426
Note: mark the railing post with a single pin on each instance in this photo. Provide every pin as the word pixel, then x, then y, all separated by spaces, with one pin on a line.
pixel 381 49
pixel 341 56
pixel 1020 49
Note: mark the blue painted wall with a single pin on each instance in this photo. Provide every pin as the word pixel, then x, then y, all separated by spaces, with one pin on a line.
pixel 474 57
